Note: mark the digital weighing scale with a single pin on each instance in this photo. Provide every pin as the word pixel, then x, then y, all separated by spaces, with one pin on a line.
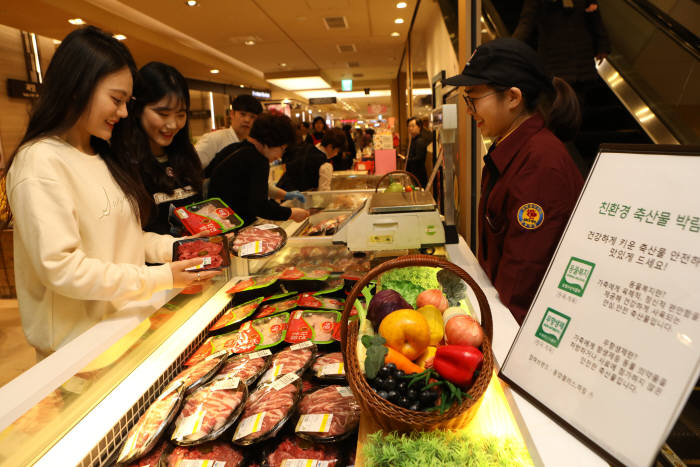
pixel 392 221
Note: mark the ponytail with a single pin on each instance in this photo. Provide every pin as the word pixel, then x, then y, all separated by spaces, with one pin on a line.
pixel 563 116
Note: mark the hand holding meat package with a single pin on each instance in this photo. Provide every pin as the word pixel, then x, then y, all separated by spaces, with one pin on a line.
pixel 212 216
pixel 292 449
pixel 218 452
pixel 294 359
pixel 268 409
pixel 328 414
pixel 329 368
pixel 209 411
pixel 145 434
pixel 258 241
pixel 247 367
pixel 213 251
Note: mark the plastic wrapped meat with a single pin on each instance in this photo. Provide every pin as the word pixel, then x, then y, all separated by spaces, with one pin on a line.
pixel 152 458
pixel 196 375
pixel 327 227
pixel 212 216
pixel 261 333
pixel 329 365
pixel 236 314
pixel 294 359
pixel 268 409
pixel 145 434
pixel 213 345
pixel 317 326
pixel 336 401
pixel 210 250
pixel 292 447
pixel 247 367
pixel 216 451
pixel 270 237
pixel 213 212
pixel 209 410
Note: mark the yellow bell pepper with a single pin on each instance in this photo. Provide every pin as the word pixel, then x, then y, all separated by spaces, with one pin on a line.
pixel 434 318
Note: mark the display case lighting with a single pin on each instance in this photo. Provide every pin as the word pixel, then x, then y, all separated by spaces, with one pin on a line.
pixel 76 21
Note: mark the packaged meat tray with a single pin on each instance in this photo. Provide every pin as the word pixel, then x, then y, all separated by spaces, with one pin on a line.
pixel 212 250
pixel 328 414
pixel 145 434
pixel 152 459
pixel 308 300
pixel 212 216
pixel 209 411
pixel 304 280
pixel 325 227
pixel 334 287
pixel 223 343
pixel 268 309
pixel 314 325
pixel 247 367
pixel 217 451
pixel 329 367
pixel 293 451
pixel 234 315
pixel 198 374
pixel 267 410
pixel 294 359
pixel 261 333
pixel 258 241
pixel 253 287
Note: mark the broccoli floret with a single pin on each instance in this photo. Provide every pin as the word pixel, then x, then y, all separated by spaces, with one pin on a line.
pixel 454 288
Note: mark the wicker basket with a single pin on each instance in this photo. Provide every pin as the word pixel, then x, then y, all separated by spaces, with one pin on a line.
pixel 392 417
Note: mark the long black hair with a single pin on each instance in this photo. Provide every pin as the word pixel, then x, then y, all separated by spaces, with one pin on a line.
pixel 84 57
pixel 155 81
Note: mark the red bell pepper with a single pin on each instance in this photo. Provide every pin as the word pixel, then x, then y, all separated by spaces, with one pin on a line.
pixel 458 363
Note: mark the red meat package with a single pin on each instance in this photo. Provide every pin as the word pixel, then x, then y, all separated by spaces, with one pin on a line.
pixel 308 300
pixel 296 451
pixel 328 414
pixel 213 251
pixel 212 346
pixel 219 452
pixel 278 307
pixel 236 314
pixel 294 359
pixel 212 216
pixel 258 241
pixel 261 333
pixel 314 325
pixel 329 367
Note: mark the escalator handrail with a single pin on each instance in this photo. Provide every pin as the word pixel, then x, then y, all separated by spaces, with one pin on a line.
pixel 671 27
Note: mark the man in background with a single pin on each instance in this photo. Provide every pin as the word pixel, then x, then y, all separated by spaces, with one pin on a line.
pixel 418 150
pixel 245 109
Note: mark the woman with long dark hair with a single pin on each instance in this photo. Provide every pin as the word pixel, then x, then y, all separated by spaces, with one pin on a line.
pixel 530 183
pixel 80 251
pixel 155 138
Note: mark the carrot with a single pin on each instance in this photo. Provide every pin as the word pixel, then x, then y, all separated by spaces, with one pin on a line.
pixel 401 361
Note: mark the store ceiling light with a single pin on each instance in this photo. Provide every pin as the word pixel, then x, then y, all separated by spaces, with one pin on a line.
pixel 56 42
pixel 283 65
pixel 398 21
pixel 395 34
pixel 298 80
pixel 119 37
pixel 76 21
pixel 241 85
pixel 191 3
pixel 214 71
pixel 249 42
pixel 401 5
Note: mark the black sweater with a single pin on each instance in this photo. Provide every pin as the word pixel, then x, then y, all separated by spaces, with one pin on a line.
pixel 241 182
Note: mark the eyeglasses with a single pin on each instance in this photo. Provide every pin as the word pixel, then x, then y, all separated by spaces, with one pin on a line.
pixel 470 100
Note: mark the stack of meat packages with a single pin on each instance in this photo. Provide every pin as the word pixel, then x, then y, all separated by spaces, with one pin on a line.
pixel 264 405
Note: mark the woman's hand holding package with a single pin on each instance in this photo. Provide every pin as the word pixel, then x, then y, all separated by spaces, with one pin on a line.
pixel 182 277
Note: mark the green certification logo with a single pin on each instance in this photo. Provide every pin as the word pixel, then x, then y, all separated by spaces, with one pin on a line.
pixel 552 327
pixel 576 276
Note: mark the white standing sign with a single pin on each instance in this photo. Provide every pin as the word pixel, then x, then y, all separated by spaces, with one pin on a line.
pixel 611 344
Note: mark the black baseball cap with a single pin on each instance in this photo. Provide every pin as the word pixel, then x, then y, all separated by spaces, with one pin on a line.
pixel 506 62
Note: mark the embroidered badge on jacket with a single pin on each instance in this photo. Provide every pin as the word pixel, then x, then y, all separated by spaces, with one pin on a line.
pixel 530 216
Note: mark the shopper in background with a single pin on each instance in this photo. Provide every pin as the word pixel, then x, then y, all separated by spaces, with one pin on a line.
pixel 156 137
pixel 244 110
pixel 529 182
pixel 79 249
pixel 240 171
pixel 347 153
pixel 417 150
pixel 312 168
pixel 318 127
pixel 303 132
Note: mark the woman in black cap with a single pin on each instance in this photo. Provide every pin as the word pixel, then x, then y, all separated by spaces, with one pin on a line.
pixel 529 182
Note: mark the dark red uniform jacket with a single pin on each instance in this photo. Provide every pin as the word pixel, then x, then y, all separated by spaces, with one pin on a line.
pixel 535 190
